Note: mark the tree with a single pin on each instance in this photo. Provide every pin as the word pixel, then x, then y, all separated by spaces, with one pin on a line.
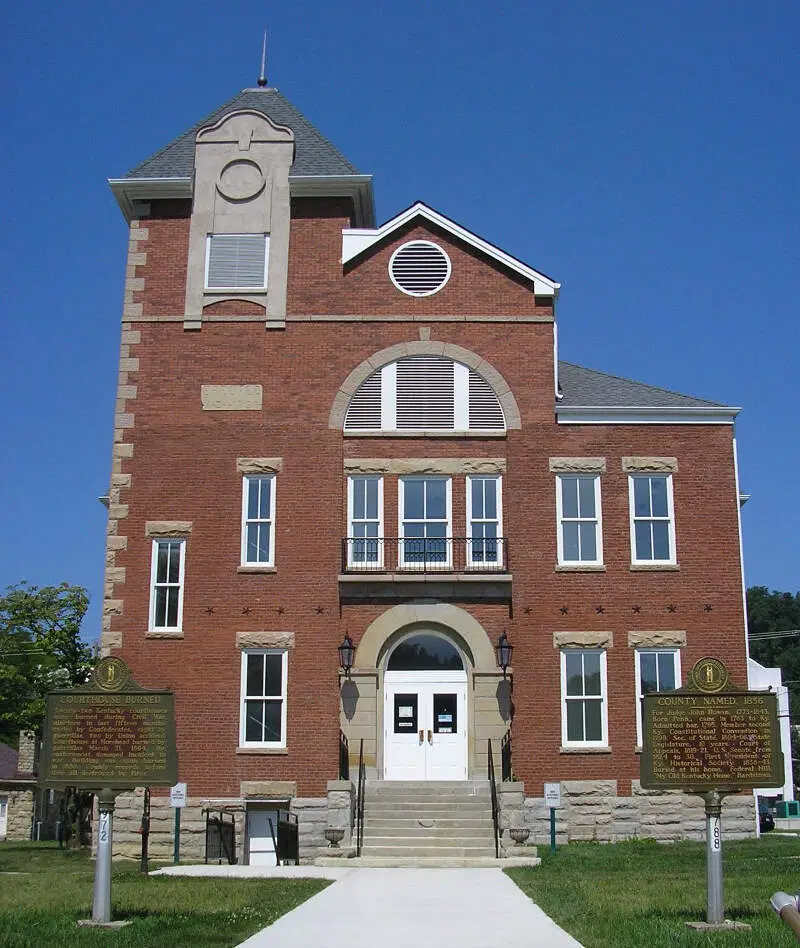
pixel 40 649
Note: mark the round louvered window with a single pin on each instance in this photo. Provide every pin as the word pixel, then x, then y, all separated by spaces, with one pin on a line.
pixel 419 268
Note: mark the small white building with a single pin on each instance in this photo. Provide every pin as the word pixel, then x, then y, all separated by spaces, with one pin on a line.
pixel 760 678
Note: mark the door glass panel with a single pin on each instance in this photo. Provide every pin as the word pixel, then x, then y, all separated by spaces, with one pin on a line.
pixel 405 714
pixel 445 714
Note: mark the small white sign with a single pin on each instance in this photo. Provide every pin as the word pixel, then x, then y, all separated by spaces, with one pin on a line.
pixel 177 795
pixel 552 795
pixel 715 832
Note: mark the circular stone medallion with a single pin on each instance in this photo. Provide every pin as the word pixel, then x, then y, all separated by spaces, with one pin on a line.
pixel 240 180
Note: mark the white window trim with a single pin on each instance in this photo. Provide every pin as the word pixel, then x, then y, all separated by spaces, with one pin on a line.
pixel 181 583
pixel 562 561
pixel 243 696
pixel 671 650
pixel 271 520
pixel 498 479
pixel 603 699
pixel 673 551
pixel 351 507
pixel 448 538
pixel 236 289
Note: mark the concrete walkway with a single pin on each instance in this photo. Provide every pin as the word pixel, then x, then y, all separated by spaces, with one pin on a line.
pixel 399 908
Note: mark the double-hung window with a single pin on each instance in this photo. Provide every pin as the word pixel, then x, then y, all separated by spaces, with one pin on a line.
pixel 263 698
pixel 258 520
pixel 365 522
pixel 652 519
pixel 237 261
pixel 166 584
pixel 584 718
pixel 657 669
pixel 484 522
pixel 580 535
pixel 425 522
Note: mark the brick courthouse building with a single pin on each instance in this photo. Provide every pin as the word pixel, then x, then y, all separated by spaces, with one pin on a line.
pixel 327 427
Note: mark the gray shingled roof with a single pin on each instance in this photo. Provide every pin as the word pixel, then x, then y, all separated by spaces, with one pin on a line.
pixel 586 388
pixel 314 154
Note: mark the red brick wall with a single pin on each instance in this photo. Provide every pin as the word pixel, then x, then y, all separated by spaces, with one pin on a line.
pixel 183 468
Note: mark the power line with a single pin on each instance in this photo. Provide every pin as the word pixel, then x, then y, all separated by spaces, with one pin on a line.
pixel 762 636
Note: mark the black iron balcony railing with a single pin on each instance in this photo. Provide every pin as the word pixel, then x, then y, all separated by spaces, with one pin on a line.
pixel 425 555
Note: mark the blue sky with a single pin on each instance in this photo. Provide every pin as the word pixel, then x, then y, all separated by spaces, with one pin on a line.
pixel 645 155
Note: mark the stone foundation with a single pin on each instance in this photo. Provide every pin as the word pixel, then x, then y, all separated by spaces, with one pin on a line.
pixel 591 810
pixel 314 815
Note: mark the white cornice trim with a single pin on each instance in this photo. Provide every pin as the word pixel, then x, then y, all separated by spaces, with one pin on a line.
pixel 356 241
pixel 590 415
pixel 355 186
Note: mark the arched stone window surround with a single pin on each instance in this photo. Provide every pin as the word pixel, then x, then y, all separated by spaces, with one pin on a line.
pixel 413 348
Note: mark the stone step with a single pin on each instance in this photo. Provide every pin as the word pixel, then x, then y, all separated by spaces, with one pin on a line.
pixel 393 850
pixel 426 792
pixel 430 811
pixel 446 824
pixel 430 862
pixel 421 839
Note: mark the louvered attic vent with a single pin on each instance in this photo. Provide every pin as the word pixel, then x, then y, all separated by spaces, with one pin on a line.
pixel 425 393
pixel 419 268
pixel 237 261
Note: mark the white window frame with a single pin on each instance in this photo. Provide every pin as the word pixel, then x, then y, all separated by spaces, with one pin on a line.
pixel 365 564
pixel 238 289
pixel 154 584
pixel 603 697
pixel 484 564
pixel 669 519
pixel 562 520
pixel 644 650
pixel 246 521
pixel 243 697
pixel 426 565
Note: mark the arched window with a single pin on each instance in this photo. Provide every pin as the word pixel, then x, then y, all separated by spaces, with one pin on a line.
pixel 425 652
pixel 425 393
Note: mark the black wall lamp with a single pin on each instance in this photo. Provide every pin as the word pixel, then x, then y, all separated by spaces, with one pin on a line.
pixel 504 651
pixel 347 654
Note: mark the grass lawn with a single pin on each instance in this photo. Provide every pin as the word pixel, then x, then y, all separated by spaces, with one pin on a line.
pixel 640 894
pixel 40 906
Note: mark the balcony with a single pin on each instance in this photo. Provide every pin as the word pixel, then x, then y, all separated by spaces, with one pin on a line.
pixel 466 569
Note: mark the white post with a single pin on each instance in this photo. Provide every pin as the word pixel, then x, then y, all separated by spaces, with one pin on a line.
pixel 101 904
pixel 715 914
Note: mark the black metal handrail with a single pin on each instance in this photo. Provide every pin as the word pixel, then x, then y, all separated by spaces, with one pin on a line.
pixel 425 554
pixel 505 757
pixel 495 805
pixel 344 757
pixel 362 779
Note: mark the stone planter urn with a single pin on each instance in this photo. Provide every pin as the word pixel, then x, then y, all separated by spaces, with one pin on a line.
pixel 519 834
pixel 334 834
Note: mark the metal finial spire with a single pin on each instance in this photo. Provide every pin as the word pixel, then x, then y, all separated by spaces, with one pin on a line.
pixel 262 79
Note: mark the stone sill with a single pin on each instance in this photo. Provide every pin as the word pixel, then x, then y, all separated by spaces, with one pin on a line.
pixel 654 567
pixel 256 569
pixel 424 433
pixel 576 568
pixel 419 577
pixel 260 751
pixel 164 634
pixel 584 750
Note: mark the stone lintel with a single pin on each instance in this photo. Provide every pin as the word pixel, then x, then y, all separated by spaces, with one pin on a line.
pixel 583 639
pixel 272 789
pixel 656 639
pixel 231 397
pixel 633 465
pixel 259 465
pixel 578 465
pixel 402 466
pixel 168 528
pixel 265 639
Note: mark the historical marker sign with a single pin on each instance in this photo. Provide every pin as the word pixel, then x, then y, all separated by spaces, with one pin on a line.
pixel 710 736
pixel 110 733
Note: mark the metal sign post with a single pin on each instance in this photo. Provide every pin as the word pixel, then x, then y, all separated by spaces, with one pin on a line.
pixel 177 797
pixel 552 799
pixel 715 910
pixel 101 902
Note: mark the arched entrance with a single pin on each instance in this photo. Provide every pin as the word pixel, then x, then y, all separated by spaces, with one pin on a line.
pixel 425 709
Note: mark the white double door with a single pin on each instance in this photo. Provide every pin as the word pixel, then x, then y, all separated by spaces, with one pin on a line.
pixel 425 725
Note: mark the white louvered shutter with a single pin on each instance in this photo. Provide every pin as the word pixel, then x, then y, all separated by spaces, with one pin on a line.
pixel 425 396
pixel 364 411
pixel 237 261
pixel 484 408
